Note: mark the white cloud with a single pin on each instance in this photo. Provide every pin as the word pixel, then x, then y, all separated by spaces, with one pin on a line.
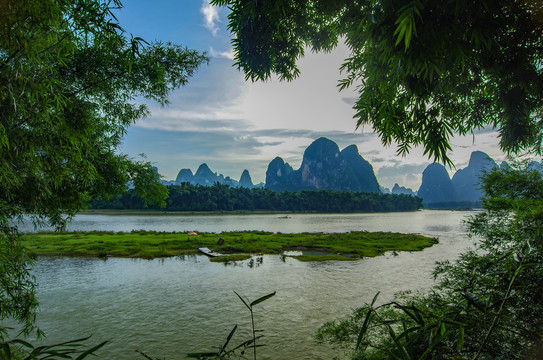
pixel 312 101
pixel 236 125
pixel 222 54
pixel 290 148
pixel 211 17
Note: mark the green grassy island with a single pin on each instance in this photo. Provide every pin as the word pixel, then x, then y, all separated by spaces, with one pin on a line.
pixel 149 244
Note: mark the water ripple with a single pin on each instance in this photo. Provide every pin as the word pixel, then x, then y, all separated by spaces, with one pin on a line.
pixel 170 307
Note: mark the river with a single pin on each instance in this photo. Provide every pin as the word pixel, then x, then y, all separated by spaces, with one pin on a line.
pixel 173 306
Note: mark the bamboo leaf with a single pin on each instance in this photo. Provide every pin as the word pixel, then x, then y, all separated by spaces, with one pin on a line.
pixel 408 331
pixel 474 300
pixel 460 339
pixel 202 355
pixel 375 298
pixel 364 328
pixel 144 355
pixel 399 346
pixel 247 344
pixel 263 298
pixel 243 344
pixel 430 349
pixel 139 39
pixel 418 315
pixel 70 342
pixel 242 300
pixel 90 351
pixel 417 319
pixel 228 338
pixel 368 318
pixel 22 342
pixel 6 350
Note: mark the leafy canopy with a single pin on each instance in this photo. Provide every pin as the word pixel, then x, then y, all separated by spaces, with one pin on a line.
pixel 424 69
pixel 485 305
pixel 69 80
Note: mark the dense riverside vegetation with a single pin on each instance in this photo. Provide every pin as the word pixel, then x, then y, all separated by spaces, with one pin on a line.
pixel 457 205
pixel 187 197
pixel 71 82
pixel 486 305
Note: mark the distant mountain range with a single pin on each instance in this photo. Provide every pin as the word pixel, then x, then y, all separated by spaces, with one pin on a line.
pixel 438 188
pixel 325 167
pixel 204 176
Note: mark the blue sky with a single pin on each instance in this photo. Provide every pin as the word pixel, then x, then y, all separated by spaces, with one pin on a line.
pixel 233 125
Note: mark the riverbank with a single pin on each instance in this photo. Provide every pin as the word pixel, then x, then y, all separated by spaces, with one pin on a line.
pixel 149 244
pixel 285 213
pixel 171 212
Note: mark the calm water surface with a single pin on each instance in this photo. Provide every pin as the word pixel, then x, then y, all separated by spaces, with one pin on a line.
pixel 169 307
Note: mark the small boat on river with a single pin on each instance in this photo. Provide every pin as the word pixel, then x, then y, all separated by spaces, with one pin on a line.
pixel 208 252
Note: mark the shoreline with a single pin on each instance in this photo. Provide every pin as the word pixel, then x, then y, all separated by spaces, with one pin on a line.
pixel 232 212
pixel 162 212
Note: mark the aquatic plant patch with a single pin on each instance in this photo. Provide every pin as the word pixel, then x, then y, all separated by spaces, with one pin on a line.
pixel 150 244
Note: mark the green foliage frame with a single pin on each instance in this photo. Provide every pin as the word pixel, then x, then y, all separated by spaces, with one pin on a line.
pixel 70 77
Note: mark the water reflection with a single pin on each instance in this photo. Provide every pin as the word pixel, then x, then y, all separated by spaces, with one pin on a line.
pixel 190 257
pixel 252 262
pixel 438 228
